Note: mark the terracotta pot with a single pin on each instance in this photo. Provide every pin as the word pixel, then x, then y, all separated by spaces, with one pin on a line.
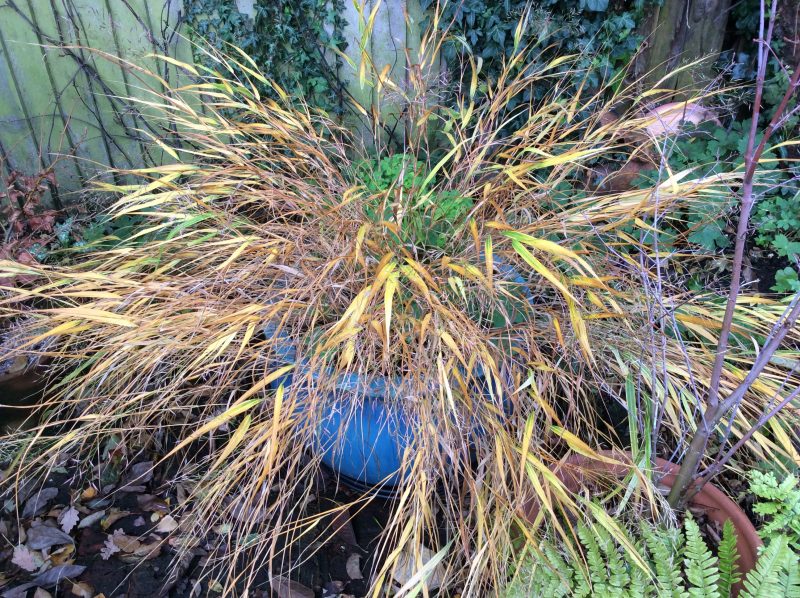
pixel 711 500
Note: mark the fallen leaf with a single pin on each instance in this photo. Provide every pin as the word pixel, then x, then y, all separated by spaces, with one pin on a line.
pixel 42 593
pixel 69 519
pixel 109 548
pixel 140 473
pixel 668 118
pixel 25 559
pixel 89 493
pixel 90 519
pixel 167 525
pixel 215 586
pixel 407 568
pixel 288 588
pixel 148 502
pixel 125 542
pixel 63 556
pixel 353 567
pixel 56 574
pixel 343 528
pixel 82 589
pixel 18 591
pixel 44 536
pixel 112 518
pixel 38 502
pixel 145 551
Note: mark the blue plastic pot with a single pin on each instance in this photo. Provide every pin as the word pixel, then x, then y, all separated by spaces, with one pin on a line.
pixel 366 447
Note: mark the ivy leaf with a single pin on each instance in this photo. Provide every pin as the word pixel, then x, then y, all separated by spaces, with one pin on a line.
pixel 786 281
pixel 710 236
pixel 595 5
pixel 784 246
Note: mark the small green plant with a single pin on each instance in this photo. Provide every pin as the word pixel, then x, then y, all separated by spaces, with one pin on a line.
pixel 779 502
pixel 786 281
pixel 399 195
pixel 680 564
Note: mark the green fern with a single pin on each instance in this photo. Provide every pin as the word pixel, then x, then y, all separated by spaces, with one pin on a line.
pixel 598 574
pixel 727 555
pixel 665 548
pixel 681 563
pixel 789 578
pixel 702 570
pixel 779 503
pixel 764 580
pixel 618 578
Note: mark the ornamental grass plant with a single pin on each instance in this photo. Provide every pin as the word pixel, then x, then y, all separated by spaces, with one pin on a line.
pixel 264 220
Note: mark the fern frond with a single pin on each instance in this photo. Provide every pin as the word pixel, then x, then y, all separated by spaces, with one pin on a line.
pixel 764 580
pixel 728 555
pixel 618 578
pixel 780 503
pixel 665 547
pixel 789 577
pixel 701 566
pixel 598 574
pixel 562 573
pixel 640 584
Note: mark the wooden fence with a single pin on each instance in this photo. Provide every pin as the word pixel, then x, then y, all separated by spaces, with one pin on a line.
pixel 61 106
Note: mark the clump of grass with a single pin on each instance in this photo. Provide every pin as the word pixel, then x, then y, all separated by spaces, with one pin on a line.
pixel 264 220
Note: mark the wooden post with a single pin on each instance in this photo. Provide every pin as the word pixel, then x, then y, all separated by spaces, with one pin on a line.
pixel 678 33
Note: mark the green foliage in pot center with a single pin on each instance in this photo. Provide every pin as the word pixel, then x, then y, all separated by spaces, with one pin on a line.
pixel 423 217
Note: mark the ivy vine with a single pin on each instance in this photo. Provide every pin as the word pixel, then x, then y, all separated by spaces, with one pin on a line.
pixel 290 40
pixel 602 32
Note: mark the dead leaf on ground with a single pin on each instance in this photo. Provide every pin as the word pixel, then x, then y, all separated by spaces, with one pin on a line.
pixel 45 580
pixel 56 574
pixel 82 589
pixel 129 546
pixel 353 567
pixel 42 593
pixel 343 528
pixel 113 516
pixel 149 502
pixel 68 519
pixel 44 536
pixel 288 588
pixel 109 549
pixel 167 525
pixel 139 474
pixel 667 119
pixel 407 568
pixel 90 519
pixel 38 502
pixel 25 559
pixel 63 556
